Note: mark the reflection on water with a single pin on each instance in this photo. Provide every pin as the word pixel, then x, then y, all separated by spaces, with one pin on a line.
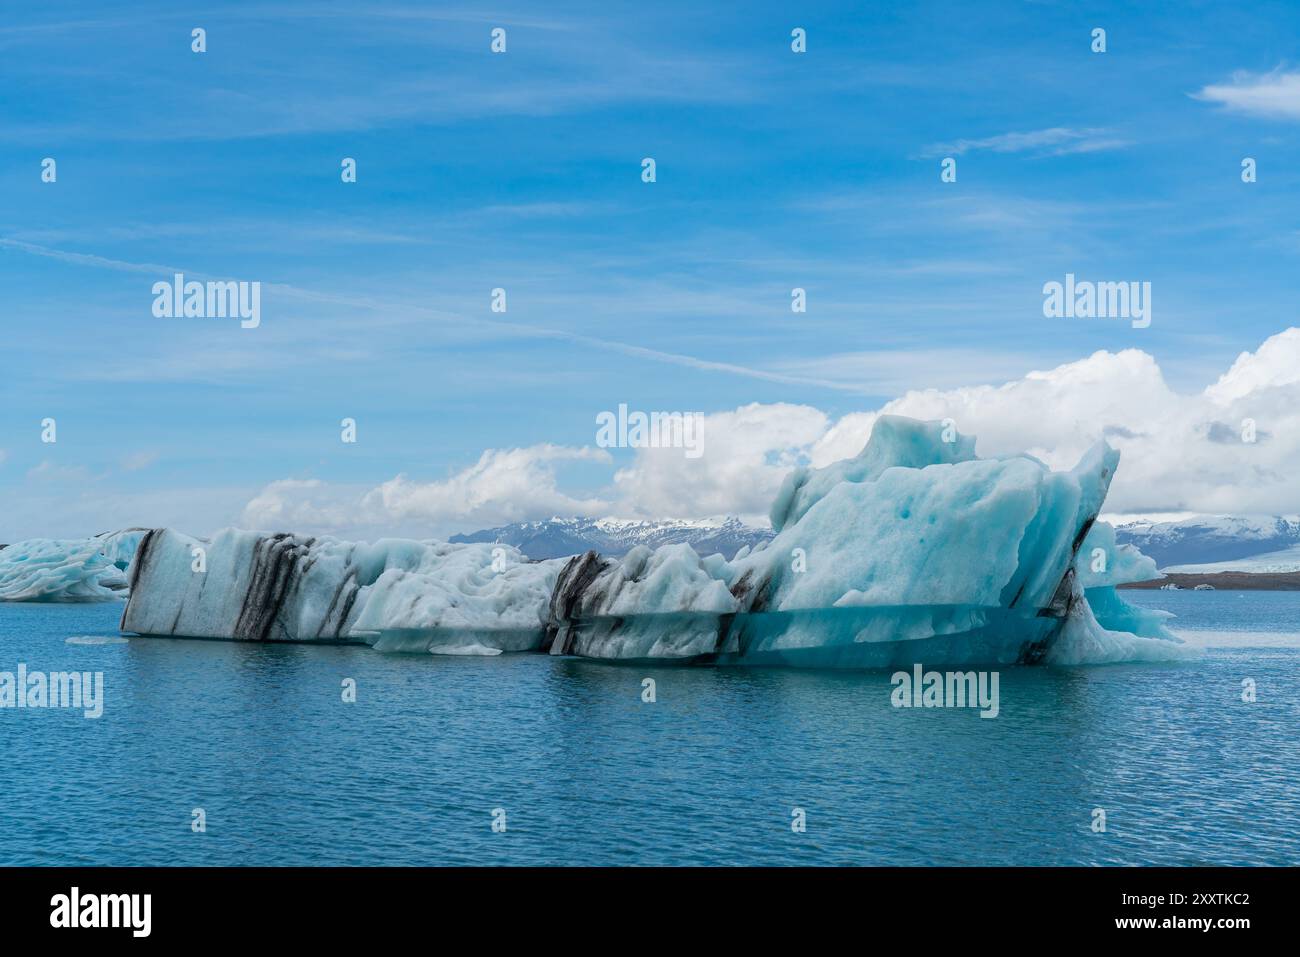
pixel 875 636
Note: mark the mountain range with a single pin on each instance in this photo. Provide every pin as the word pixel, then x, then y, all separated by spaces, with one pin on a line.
pixel 1249 542
pixel 1270 542
pixel 559 537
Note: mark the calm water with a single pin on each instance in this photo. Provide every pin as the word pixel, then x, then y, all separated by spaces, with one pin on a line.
pixel 287 773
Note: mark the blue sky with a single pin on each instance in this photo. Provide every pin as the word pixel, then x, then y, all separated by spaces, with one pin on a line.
pixel 522 171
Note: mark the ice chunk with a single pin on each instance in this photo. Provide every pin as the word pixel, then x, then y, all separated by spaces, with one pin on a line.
pixel 1102 562
pixel 661 604
pixel 250 586
pixel 1100 567
pixel 68 570
pixel 457 598
pixel 981 532
pixel 1115 614
pixel 1082 639
pixel 895 441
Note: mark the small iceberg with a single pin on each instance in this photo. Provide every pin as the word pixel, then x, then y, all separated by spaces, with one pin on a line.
pixel 68 570
pixel 914 550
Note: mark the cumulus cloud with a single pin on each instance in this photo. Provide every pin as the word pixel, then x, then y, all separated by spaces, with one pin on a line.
pixel 746 454
pixel 503 486
pixel 1233 447
pixel 1180 452
pixel 299 505
pixel 1275 94
pixel 1273 365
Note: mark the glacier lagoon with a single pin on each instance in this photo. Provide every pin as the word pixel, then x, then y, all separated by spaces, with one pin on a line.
pixel 257 735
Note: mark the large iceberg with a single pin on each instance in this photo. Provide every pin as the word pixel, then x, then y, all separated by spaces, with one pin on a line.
pixel 915 550
pixel 68 570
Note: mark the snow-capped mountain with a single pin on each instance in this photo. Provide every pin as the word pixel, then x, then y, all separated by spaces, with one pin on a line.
pixel 560 537
pixel 1211 539
pixel 1200 540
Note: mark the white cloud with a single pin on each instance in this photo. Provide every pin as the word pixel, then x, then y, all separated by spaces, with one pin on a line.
pixel 746 454
pixel 48 471
pixel 1274 364
pixel 1056 141
pixel 1180 452
pixel 307 505
pixel 240 362
pixel 137 461
pixel 1275 94
pixel 504 485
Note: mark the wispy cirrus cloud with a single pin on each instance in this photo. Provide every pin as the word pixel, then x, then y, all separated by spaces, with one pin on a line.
pixel 136 461
pixel 191 363
pixel 48 471
pixel 1054 141
pixel 1275 94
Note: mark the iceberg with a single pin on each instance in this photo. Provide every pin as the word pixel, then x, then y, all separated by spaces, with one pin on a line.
pixel 68 570
pixel 249 586
pixel 1102 567
pixel 915 550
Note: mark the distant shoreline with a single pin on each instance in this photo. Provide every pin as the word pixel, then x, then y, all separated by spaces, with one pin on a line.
pixel 1227 581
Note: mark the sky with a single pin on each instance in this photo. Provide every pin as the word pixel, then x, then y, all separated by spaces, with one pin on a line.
pixel 523 171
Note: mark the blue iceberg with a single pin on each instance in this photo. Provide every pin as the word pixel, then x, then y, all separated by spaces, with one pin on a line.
pixel 914 550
